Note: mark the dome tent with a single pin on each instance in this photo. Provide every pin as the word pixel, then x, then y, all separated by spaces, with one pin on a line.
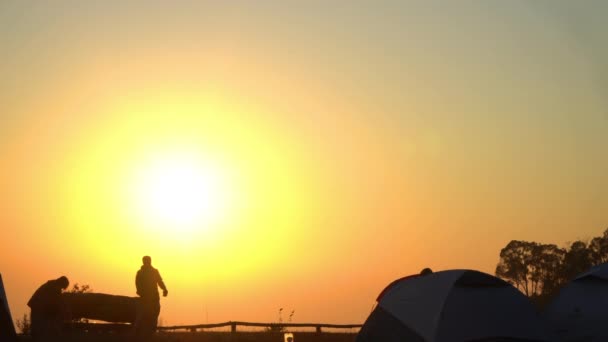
pixel 580 310
pixel 452 306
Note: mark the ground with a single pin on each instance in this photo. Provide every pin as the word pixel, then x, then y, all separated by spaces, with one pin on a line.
pixel 209 337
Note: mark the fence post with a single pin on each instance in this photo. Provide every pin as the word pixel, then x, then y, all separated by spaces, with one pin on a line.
pixel 232 327
pixel 319 329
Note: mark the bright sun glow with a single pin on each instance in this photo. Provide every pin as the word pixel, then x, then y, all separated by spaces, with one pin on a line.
pixel 180 192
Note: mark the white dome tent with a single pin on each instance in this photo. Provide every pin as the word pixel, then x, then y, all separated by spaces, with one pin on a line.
pixel 452 306
pixel 580 310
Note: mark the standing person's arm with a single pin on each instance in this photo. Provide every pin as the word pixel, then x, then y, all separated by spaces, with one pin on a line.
pixel 161 284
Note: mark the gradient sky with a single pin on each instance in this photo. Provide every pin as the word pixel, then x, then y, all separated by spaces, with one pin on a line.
pixel 353 142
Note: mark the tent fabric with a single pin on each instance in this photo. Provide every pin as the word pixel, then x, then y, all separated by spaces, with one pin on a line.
pixel 418 302
pixel 455 305
pixel 386 289
pixel 381 326
pixel 7 329
pixel 580 310
pixel 599 272
pixel 499 312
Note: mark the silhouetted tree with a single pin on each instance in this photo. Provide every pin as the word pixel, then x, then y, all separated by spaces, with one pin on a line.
pixel 540 270
pixel 548 260
pixel 577 260
pixel 599 248
pixel 531 267
pixel 513 264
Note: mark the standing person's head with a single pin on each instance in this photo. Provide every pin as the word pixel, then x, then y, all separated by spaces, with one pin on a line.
pixel 147 261
pixel 63 282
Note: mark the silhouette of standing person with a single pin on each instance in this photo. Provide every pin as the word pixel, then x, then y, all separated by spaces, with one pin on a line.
pixel 147 282
pixel 46 309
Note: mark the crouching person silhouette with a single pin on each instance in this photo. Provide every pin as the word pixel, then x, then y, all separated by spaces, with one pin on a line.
pixel 47 310
pixel 147 282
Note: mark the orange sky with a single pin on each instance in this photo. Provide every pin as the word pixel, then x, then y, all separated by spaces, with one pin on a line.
pixel 333 148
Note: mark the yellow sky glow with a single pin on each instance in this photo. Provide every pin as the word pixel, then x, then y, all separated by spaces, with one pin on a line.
pixel 271 156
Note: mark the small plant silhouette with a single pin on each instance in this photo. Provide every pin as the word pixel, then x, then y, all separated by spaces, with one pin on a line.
pixel 278 327
pixel 24 324
pixel 77 288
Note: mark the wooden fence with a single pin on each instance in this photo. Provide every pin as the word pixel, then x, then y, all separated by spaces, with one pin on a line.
pixel 270 326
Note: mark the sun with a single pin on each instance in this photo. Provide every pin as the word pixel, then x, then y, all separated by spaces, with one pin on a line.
pixel 180 192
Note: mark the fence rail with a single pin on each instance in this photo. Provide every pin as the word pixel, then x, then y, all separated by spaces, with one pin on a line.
pixel 272 326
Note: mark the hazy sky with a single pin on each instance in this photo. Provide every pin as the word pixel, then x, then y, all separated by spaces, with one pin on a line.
pixel 330 147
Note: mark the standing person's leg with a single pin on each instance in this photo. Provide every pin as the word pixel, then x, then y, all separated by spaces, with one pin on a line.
pixel 154 318
pixel 145 325
pixel 141 320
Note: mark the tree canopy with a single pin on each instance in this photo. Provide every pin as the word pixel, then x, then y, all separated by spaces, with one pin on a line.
pixel 539 270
